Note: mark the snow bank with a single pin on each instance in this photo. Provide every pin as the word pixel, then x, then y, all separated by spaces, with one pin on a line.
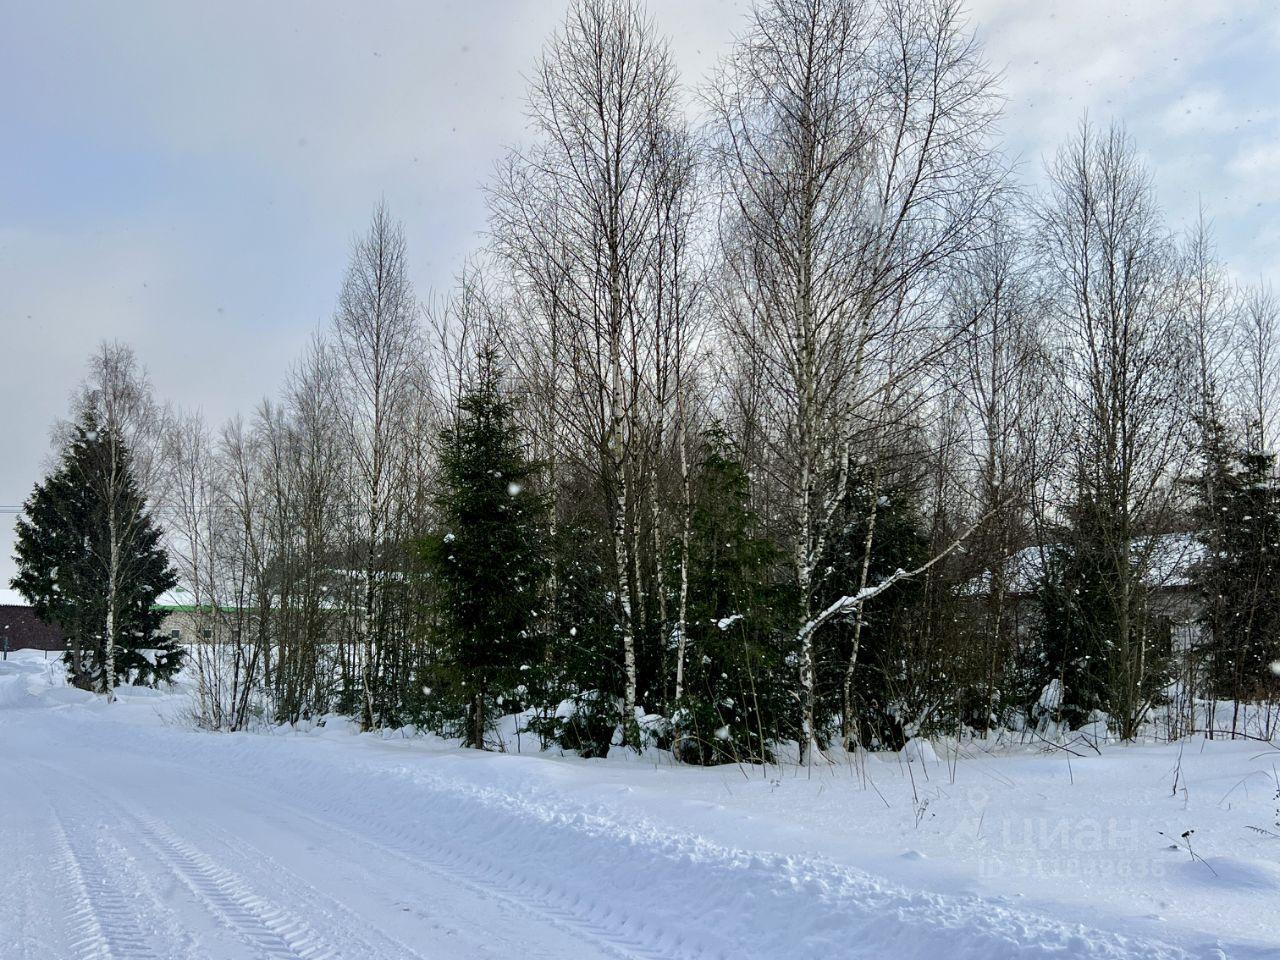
pixel 29 679
pixel 919 750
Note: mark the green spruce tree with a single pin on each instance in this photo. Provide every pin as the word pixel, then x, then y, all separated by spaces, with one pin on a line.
pixel 880 698
pixel 1239 576
pixel 1108 650
pixel 582 676
pixel 1076 618
pixel 71 525
pixel 489 561
pixel 735 703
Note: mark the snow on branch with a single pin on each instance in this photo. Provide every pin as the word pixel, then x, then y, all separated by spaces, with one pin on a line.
pixel 850 604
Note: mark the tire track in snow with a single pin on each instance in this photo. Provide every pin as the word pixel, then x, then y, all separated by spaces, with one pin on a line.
pixel 279 935
pixel 103 927
pixel 600 926
pixel 267 928
pixel 370 943
pixel 263 925
pixel 338 942
pixel 539 898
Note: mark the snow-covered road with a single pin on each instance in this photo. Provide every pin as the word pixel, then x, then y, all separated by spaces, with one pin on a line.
pixel 124 834
pixel 108 853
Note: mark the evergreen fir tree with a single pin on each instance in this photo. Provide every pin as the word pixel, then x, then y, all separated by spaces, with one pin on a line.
pixel 1083 641
pixel 736 702
pixel 1216 477
pixel 1239 577
pixel 879 685
pixel 582 677
pixel 63 548
pixel 1075 617
pixel 489 563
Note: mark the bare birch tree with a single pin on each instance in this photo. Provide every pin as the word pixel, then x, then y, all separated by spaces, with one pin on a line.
pixel 851 140
pixel 1257 342
pixel 376 343
pixel 1112 273
pixel 602 94
pixel 1002 375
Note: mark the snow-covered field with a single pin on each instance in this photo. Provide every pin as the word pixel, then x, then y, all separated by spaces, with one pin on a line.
pixel 125 834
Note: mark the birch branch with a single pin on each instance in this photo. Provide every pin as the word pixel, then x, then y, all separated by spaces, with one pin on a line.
pixel 849 604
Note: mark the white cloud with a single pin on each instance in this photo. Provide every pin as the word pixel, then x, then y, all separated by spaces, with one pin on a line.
pixel 1209 111
pixel 1061 59
pixel 1258 162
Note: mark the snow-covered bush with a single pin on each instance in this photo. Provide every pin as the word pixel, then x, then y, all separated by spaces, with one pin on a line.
pixel 584 723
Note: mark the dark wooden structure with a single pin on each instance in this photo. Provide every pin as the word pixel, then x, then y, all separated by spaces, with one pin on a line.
pixel 21 630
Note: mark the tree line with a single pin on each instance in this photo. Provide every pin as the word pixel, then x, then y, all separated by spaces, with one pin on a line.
pixel 772 410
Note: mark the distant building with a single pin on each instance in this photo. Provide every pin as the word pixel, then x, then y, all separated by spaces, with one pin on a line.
pixel 184 621
pixel 1170 577
pixel 23 630
pixel 20 629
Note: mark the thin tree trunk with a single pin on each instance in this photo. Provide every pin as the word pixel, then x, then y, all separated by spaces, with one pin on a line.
pixel 847 701
pixel 113 579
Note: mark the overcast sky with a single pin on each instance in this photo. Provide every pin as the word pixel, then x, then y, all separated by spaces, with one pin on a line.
pixel 188 176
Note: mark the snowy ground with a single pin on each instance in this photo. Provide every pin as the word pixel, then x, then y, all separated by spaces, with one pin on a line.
pixel 124 834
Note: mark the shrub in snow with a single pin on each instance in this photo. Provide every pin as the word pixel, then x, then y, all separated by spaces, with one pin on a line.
pixel 583 723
